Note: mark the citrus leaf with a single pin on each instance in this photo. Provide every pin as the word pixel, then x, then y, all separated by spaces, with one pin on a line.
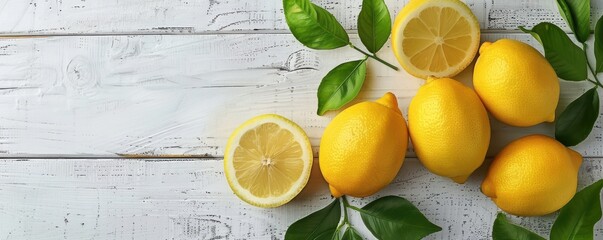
pixel 374 24
pixel 577 218
pixel 314 26
pixel 577 120
pixel 320 225
pixel 568 60
pixel 351 234
pixel 599 45
pixel 566 13
pixel 393 217
pixel 504 230
pixel 341 85
pixel 577 15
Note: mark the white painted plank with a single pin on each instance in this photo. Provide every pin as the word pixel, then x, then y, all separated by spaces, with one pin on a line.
pixel 184 95
pixel 190 199
pixel 186 17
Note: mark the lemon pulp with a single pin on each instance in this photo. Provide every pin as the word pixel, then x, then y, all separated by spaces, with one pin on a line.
pixel 435 37
pixel 268 161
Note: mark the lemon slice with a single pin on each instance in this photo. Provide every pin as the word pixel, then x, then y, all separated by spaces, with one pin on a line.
pixel 435 37
pixel 268 160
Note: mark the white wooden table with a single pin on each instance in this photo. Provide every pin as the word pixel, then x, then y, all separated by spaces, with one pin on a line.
pixel 114 115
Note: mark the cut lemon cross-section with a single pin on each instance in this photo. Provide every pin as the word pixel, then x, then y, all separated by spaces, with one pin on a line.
pixel 268 160
pixel 436 38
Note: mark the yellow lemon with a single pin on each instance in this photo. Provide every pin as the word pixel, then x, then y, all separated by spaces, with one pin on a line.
pixel 363 148
pixel 435 37
pixel 516 83
pixel 268 160
pixel 449 128
pixel 534 175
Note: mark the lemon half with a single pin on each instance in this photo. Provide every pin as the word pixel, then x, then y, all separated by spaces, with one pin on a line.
pixel 268 160
pixel 436 38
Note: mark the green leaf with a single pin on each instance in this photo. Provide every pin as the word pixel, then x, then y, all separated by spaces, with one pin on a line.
pixel 577 15
pixel 320 225
pixel 599 45
pixel 341 85
pixel 351 234
pixel 336 235
pixel 577 218
pixel 568 60
pixel 374 24
pixel 577 120
pixel 566 13
pixel 313 26
pixel 394 217
pixel 504 230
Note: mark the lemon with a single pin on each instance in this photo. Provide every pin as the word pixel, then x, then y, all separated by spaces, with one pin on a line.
pixel 449 128
pixel 363 148
pixel 516 83
pixel 534 175
pixel 435 37
pixel 268 160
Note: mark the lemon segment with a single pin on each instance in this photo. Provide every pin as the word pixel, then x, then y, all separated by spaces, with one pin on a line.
pixel 435 37
pixel 268 160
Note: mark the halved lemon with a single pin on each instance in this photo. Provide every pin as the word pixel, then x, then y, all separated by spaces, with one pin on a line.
pixel 268 160
pixel 436 38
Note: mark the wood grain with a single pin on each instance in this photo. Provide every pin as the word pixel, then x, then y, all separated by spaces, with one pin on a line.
pixel 18 17
pixel 103 96
pixel 140 92
pixel 190 199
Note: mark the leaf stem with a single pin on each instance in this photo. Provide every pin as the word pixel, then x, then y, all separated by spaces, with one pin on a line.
pixel 345 215
pixel 373 56
pixel 593 72
pixel 338 228
pixel 596 83
pixel 590 67
pixel 347 205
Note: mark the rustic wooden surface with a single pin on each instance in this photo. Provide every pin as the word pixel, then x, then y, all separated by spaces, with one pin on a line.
pixel 190 199
pixel 85 84
pixel 43 17
pixel 152 95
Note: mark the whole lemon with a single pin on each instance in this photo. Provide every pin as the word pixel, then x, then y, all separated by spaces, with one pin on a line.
pixel 363 148
pixel 516 83
pixel 534 175
pixel 449 128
